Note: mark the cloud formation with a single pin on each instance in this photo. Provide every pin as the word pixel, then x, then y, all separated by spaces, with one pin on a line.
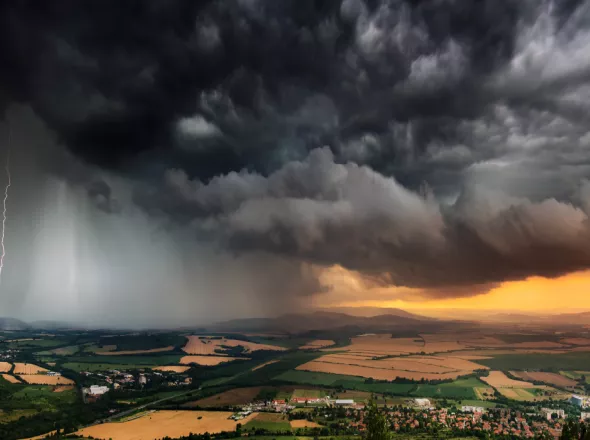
pixel 440 145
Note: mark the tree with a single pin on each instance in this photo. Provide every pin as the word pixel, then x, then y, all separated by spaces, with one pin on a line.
pixel 377 425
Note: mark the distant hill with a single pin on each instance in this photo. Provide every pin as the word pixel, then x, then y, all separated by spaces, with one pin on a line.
pixel 378 311
pixel 579 318
pixel 13 324
pixel 303 322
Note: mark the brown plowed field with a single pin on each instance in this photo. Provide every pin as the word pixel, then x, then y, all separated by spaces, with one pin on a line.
pixel 304 424
pixel 237 396
pixel 550 378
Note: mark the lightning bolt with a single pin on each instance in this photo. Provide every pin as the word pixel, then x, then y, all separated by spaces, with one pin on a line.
pixel 4 211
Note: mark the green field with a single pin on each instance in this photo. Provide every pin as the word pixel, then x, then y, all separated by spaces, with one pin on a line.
pixel 162 359
pixel 308 393
pixel 143 341
pixel 62 351
pixel 313 378
pixel 482 403
pixel 11 416
pixel 536 361
pixel 36 343
pixel 43 396
pixel 270 421
pixel 346 382
pixel 462 388
pixel 80 366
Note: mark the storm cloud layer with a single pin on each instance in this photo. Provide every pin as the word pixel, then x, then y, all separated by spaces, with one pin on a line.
pixel 442 145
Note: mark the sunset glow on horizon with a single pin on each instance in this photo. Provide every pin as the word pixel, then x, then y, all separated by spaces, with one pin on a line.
pixel 535 294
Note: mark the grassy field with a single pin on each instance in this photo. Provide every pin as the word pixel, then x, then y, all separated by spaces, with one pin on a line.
pixel 36 343
pixel 144 341
pixel 269 421
pixel 462 388
pixel 43 396
pixel 308 393
pixel 79 366
pixel 11 416
pixel 141 361
pixel 538 361
pixel 482 403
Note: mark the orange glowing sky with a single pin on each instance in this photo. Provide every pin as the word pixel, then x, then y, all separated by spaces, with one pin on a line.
pixel 569 293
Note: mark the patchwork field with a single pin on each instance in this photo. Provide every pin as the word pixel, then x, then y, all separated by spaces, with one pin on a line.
pixel 5 367
pixel 576 375
pixel 498 379
pixel 409 367
pixel 158 424
pixel 173 368
pixel 133 352
pixel 551 378
pixel 42 379
pixel 10 378
pixel 318 343
pixel 521 390
pixel 206 360
pixel 24 368
pixel 237 396
pixel 207 345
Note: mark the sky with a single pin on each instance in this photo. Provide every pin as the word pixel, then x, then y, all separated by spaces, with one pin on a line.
pixel 178 163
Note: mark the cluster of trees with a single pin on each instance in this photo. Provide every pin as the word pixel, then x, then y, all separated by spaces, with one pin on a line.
pixel 574 430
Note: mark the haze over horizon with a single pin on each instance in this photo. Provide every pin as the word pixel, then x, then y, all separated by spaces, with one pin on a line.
pixel 175 163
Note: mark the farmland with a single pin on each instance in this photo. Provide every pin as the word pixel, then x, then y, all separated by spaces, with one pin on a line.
pixel 236 396
pixel 269 421
pixel 24 368
pixel 537 361
pixel 206 360
pixel 216 345
pixel 42 379
pixel 158 424
pixel 5 367
pixel 550 378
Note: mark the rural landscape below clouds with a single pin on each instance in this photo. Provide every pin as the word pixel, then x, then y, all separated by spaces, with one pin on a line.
pixel 295 219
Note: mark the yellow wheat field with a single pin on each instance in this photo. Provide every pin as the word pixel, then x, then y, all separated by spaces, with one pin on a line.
pixel 318 343
pixel 10 378
pixel 207 345
pixel 498 379
pixel 5 367
pixel 24 368
pixel 172 368
pixel 304 424
pixel 206 360
pixel 42 379
pixel 158 424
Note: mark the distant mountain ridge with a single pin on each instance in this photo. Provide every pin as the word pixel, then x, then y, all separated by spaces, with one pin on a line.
pixel 323 320
pixel 13 324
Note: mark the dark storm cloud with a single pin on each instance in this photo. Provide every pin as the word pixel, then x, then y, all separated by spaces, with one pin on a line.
pixel 328 213
pixel 304 129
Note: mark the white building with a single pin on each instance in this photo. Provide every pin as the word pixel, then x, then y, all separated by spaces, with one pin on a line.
pixel 97 390
pixel 585 415
pixel 142 379
pixel 344 402
pixel 548 413
pixel 472 409
pixel 422 402
pixel 578 400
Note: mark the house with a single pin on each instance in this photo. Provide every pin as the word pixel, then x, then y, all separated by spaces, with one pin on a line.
pixel 422 402
pixel 472 409
pixel 577 400
pixel 97 390
pixel 344 402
